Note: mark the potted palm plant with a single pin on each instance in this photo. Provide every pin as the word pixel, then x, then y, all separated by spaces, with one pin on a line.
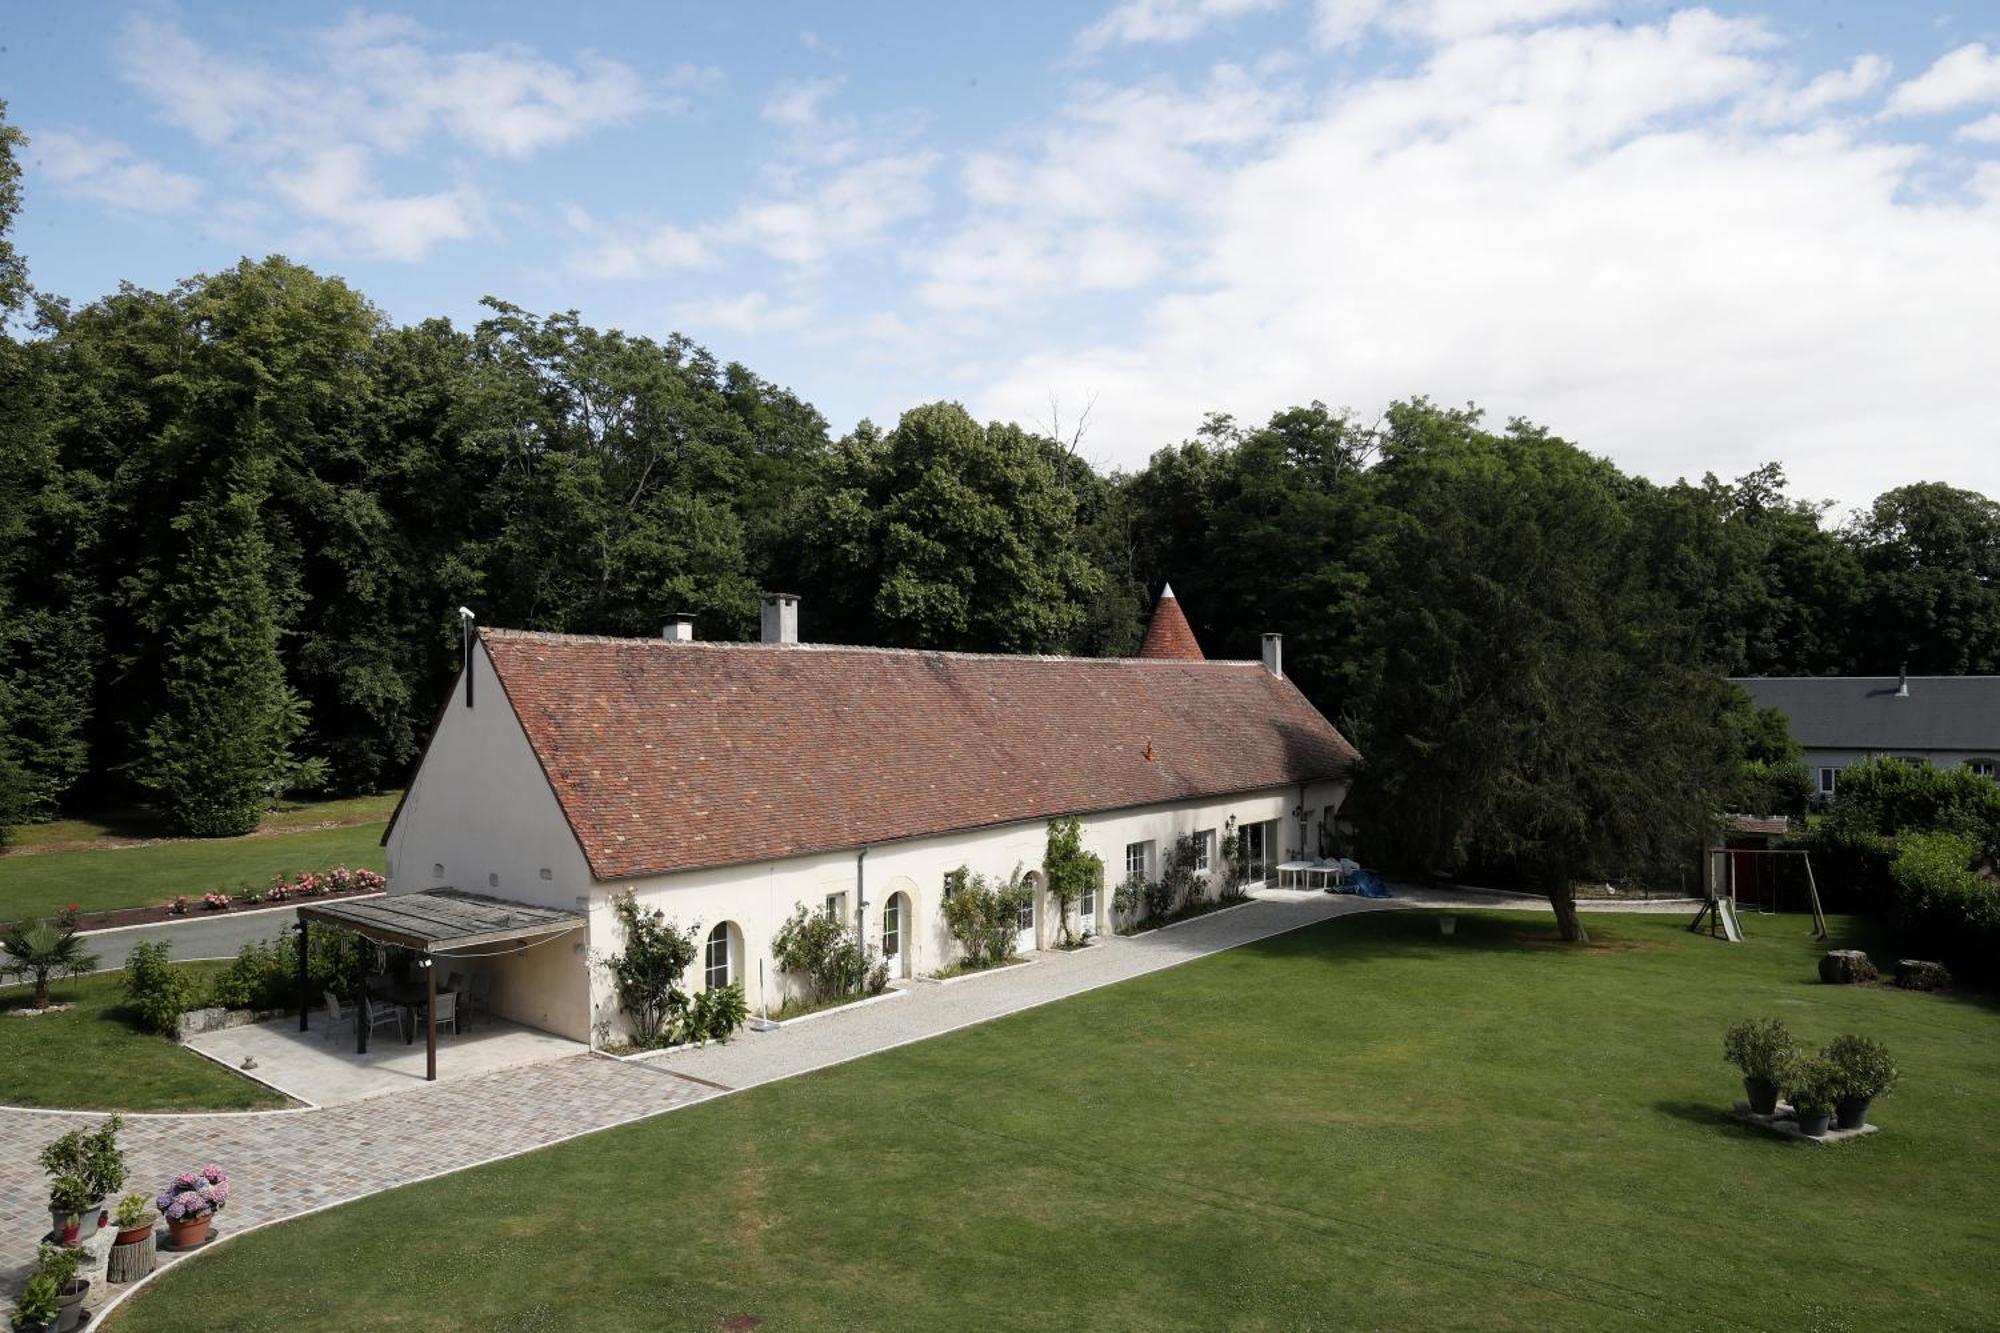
pixel 39 1307
pixel 190 1202
pixel 1764 1050
pixel 1812 1089
pixel 1866 1072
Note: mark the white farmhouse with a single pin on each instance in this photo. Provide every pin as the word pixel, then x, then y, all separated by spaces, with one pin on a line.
pixel 725 784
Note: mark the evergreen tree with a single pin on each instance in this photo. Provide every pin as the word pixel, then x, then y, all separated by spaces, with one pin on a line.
pixel 220 749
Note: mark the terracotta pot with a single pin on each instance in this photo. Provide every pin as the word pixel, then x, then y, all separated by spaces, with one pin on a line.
pixel 133 1235
pixel 189 1232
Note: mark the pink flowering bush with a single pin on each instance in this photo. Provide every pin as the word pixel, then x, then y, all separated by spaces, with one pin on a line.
pixel 215 902
pixel 193 1195
pixel 178 907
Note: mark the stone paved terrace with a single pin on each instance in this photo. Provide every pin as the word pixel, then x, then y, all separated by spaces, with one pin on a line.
pixel 286 1162
pixel 282 1163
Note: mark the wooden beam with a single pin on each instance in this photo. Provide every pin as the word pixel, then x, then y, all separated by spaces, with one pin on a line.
pixel 431 1020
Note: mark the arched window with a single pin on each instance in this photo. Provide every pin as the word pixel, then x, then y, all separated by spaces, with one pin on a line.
pixel 718 962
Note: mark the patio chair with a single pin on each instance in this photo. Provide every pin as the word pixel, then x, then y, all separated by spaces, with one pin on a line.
pixel 335 1015
pixel 455 982
pixel 447 1011
pixel 376 1015
pixel 479 1000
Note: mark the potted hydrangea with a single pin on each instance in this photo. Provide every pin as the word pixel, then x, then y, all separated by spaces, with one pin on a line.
pixel 1764 1050
pixel 1866 1072
pixel 190 1202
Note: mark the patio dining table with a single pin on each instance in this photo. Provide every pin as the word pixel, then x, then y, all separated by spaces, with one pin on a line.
pixel 412 999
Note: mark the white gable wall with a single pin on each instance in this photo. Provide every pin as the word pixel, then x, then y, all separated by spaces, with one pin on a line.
pixel 479 816
pixel 757 898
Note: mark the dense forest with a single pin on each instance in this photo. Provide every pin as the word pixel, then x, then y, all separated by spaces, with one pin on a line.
pixel 237 518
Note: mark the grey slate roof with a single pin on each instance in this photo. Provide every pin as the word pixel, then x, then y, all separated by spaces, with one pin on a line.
pixel 1865 712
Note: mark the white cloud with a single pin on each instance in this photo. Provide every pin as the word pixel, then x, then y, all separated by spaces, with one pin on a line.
pixel 636 250
pixel 752 312
pixel 1965 77
pixel 89 167
pixel 853 207
pixel 1064 214
pixel 1984 130
pixel 1832 89
pixel 307 133
pixel 1343 22
pixel 1586 225
pixel 1135 21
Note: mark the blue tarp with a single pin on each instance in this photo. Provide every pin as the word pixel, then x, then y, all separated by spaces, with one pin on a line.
pixel 1367 884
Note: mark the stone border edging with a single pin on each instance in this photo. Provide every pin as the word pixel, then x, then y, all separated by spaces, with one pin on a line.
pixel 982 973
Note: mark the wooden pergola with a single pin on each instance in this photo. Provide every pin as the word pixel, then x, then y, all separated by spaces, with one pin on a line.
pixel 437 923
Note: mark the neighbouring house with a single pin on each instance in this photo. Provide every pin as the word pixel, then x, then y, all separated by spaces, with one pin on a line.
pixel 726 784
pixel 1840 720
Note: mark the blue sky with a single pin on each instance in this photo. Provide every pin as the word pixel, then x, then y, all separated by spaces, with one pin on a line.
pixel 1689 238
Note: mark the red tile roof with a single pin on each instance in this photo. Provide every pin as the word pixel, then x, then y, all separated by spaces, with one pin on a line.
pixel 667 756
pixel 1168 634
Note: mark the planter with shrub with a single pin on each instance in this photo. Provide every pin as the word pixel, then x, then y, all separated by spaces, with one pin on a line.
pixel 1812 1089
pixel 84 1170
pixel 1865 1072
pixel 1764 1050
pixel 62 1266
pixel 39 1306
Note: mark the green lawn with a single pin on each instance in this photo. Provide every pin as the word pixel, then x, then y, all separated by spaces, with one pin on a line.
pixel 1360 1125
pixel 90 1058
pixel 39 883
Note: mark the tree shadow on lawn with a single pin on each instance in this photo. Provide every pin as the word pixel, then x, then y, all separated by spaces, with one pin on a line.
pixel 1414 933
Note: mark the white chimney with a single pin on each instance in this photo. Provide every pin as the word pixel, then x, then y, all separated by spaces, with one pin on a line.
pixel 679 627
pixel 781 617
pixel 1274 654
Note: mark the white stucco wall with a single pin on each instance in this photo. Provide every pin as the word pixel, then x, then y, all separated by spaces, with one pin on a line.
pixel 758 898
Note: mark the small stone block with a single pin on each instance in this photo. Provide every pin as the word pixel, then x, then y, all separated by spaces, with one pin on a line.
pixel 1916 974
pixel 1845 967
pixel 1784 1123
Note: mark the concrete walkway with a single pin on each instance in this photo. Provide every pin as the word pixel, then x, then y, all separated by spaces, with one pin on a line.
pixel 283 1163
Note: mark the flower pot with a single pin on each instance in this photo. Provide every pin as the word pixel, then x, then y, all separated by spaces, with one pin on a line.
pixel 1763 1094
pixel 133 1235
pixel 1813 1124
pixel 189 1232
pixel 1851 1112
pixel 69 1304
pixel 1447 925
pixel 86 1223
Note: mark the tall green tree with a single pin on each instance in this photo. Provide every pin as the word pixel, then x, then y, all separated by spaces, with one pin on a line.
pixel 220 748
pixel 1537 707
pixel 947 534
pixel 1932 556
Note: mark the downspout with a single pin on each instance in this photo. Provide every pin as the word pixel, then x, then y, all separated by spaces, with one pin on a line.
pixel 1306 852
pixel 860 896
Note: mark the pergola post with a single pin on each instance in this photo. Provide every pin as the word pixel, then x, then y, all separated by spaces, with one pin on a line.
pixel 430 1020
pixel 305 980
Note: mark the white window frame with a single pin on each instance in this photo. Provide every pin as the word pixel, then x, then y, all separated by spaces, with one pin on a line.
pixel 1204 851
pixel 1828 777
pixel 720 935
pixel 1086 907
pixel 1144 868
pixel 835 907
pixel 1984 768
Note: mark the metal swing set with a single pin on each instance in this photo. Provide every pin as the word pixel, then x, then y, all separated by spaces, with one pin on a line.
pixel 1720 878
